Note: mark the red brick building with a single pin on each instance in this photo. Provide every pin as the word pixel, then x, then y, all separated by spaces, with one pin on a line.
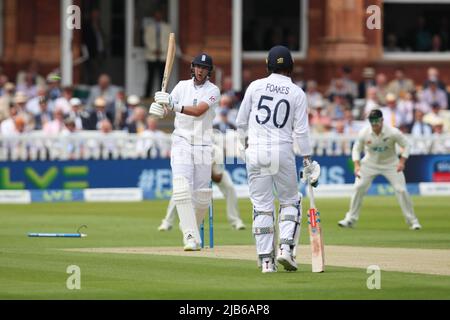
pixel 329 34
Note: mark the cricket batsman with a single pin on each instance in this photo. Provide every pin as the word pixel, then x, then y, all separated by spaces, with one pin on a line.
pixel 378 141
pixel 222 178
pixel 193 102
pixel 272 115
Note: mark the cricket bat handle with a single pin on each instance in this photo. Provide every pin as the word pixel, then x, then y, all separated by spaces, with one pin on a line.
pixel 312 203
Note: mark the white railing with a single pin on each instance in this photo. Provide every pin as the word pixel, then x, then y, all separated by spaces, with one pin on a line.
pixel 331 144
pixel 94 145
pixel 84 145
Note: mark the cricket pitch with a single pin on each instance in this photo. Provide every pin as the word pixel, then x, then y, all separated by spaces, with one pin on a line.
pixel 424 261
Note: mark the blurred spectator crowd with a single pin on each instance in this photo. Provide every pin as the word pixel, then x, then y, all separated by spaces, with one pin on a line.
pixel 420 109
pixel 35 103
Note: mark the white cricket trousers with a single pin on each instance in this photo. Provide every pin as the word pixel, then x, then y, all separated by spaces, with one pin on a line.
pixel 226 186
pixel 194 164
pixel 191 162
pixel 273 170
pixel 397 179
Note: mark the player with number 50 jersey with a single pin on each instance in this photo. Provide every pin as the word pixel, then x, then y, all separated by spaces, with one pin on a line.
pixel 272 115
pixel 275 111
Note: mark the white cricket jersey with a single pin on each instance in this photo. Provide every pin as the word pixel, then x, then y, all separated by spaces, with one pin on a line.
pixel 197 130
pixel 274 111
pixel 380 149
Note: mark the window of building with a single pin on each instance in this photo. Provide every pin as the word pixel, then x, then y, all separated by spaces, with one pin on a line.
pixel 416 28
pixel 267 23
pixel 117 27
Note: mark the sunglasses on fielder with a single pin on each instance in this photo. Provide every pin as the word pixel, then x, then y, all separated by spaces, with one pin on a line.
pixel 375 120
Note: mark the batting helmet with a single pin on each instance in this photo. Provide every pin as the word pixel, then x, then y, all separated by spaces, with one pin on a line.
pixel 203 60
pixel 279 58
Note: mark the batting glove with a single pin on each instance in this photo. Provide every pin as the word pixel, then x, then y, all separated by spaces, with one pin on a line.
pixel 311 172
pixel 241 151
pixel 165 99
pixel 157 110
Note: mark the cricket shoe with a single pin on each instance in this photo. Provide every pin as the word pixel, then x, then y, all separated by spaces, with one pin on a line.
pixel 268 265
pixel 286 259
pixel 165 226
pixel 239 226
pixel 345 224
pixel 415 226
pixel 192 245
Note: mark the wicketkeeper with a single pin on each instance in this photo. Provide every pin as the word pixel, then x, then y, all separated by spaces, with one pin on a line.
pixel 378 141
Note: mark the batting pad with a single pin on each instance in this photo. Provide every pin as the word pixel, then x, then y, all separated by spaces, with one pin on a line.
pixel 183 201
pixel 202 201
pixel 289 225
pixel 263 231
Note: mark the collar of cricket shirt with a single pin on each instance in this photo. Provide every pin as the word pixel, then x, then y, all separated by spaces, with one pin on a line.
pixel 198 86
pixel 278 75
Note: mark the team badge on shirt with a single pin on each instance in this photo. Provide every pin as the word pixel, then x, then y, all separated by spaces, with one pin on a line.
pixel 212 99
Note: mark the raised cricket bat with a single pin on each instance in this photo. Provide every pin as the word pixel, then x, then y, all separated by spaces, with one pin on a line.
pixel 169 62
pixel 315 235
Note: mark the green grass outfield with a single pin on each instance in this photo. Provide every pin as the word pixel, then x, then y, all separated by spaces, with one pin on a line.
pixel 33 268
